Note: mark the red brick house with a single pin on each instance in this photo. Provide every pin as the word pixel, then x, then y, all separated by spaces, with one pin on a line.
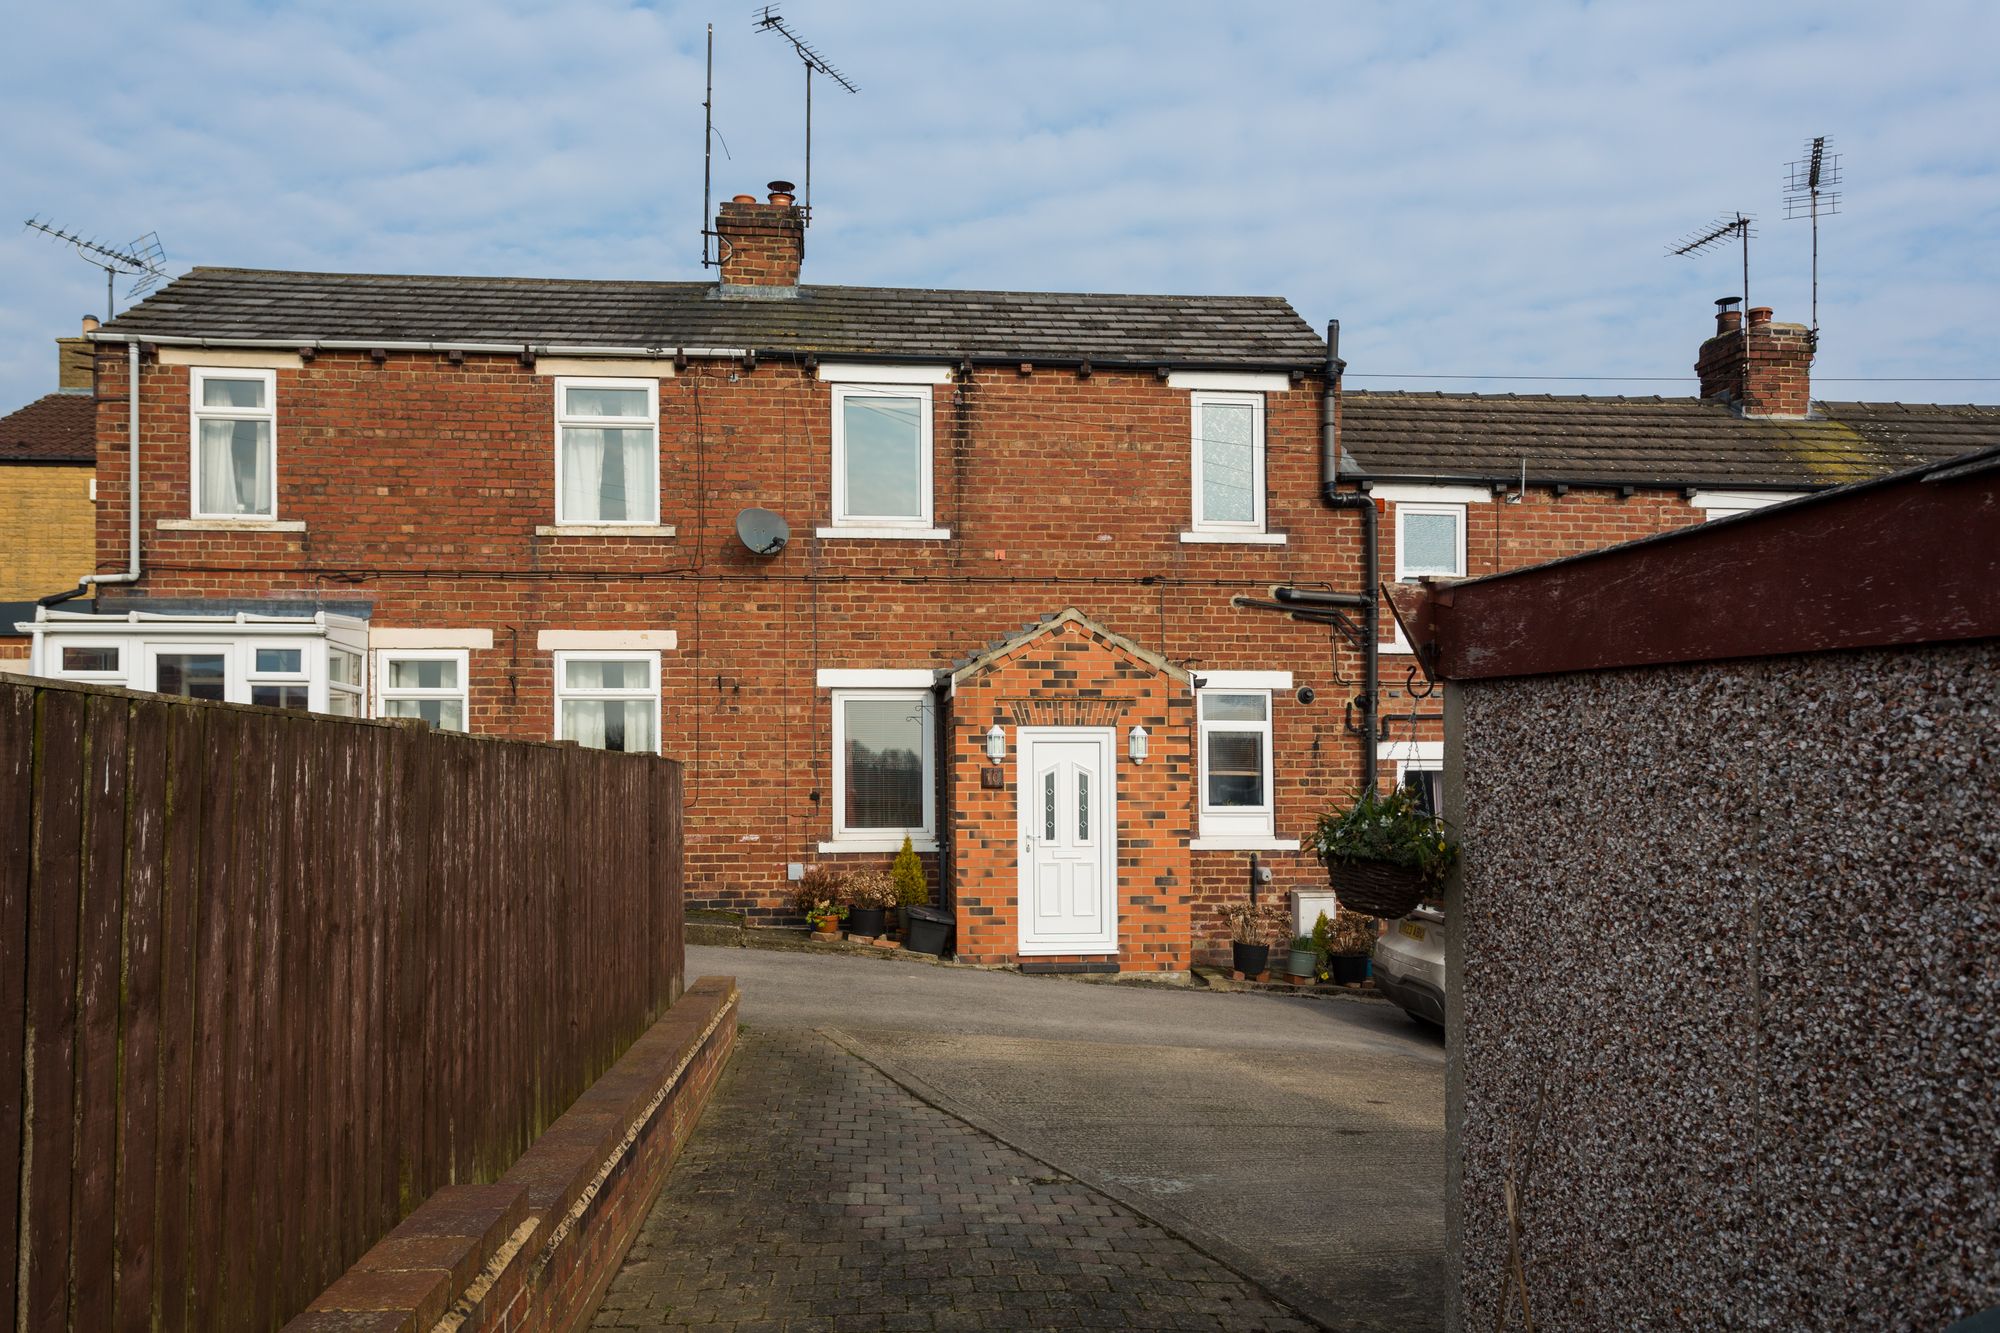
pixel 1017 520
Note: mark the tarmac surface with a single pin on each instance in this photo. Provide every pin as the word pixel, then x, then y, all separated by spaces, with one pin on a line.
pixel 904 1146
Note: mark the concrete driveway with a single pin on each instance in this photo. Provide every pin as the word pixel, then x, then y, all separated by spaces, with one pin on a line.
pixel 1299 1141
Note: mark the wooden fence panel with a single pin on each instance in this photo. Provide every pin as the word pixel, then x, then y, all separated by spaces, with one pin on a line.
pixel 269 980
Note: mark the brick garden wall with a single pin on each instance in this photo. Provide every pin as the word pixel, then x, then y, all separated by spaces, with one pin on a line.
pixel 421 484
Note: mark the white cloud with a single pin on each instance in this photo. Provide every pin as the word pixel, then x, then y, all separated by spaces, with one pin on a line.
pixel 1482 189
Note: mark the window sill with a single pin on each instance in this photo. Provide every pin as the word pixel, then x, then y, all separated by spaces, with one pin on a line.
pixel 230 525
pixel 886 534
pixel 894 844
pixel 1236 538
pixel 1244 844
pixel 604 530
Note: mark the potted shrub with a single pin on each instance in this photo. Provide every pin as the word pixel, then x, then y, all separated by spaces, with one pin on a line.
pixel 1350 939
pixel 1304 962
pixel 1250 931
pixel 818 900
pixel 870 893
pixel 1384 854
pixel 907 875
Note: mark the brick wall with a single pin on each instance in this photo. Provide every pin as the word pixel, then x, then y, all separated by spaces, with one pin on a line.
pixel 46 539
pixel 421 485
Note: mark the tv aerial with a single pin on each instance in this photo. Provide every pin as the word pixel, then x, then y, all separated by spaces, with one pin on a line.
pixel 1809 193
pixel 769 20
pixel 1738 226
pixel 142 259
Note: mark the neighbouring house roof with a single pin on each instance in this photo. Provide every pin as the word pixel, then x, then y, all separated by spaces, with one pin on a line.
pixel 255 304
pixel 1910 558
pixel 971 665
pixel 55 428
pixel 1646 441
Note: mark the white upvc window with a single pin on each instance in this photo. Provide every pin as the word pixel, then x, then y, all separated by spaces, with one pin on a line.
pixel 234 425
pixel 882 456
pixel 1235 763
pixel 1430 539
pixel 428 683
pixel 343 682
pixel 607 451
pixel 100 662
pixel 609 701
pixel 885 774
pixel 278 674
pixel 1228 470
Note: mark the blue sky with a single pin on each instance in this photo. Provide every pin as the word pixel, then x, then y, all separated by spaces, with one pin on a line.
pixel 1472 189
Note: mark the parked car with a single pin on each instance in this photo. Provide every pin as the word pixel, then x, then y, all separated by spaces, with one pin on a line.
pixel 1409 964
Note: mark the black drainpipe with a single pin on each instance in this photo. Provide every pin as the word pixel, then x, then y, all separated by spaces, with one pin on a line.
pixel 1371 563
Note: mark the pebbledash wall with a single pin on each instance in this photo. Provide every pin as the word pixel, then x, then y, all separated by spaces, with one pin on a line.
pixel 1728 991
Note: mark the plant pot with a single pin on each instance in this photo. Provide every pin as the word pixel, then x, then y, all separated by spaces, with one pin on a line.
pixel 1301 963
pixel 864 922
pixel 1379 888
pixel 903 920
pixel 928 930
pixel 826 927
pixel 1349 969
pixel 1251 959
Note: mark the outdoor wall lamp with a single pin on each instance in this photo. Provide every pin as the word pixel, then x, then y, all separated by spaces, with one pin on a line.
pixel 1135 744
pixel 996 743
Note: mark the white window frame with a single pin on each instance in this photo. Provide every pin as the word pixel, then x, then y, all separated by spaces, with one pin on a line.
pixel 385 692
pixel 562 692
pixel 1235 821
pixel 1728 504
pixel 197 378
pixel 842 519
pixel 1453 511
pixel 924 837
pixel 115 676
pixel 355 692
pixel 1255 402
pixel 563 384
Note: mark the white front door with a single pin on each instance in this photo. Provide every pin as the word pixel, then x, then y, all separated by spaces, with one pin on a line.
pixel 1069 840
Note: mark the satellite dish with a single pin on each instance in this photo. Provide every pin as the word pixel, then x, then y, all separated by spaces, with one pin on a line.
pixel 762 531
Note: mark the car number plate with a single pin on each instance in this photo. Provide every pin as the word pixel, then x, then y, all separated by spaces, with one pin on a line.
pixel 1412 929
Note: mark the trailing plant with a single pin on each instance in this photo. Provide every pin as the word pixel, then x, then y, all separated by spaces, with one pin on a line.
pixel 870 888
pixel 1250 924
pixel 819 894
pixel 1394 828
pixel 907 874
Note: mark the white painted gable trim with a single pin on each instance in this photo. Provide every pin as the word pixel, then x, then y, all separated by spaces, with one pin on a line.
pixel 854 372
pixel 657 368
pixel 1741 499
pixel 877 678
pixel 1228 381
pixel 231 358
pixel 626 639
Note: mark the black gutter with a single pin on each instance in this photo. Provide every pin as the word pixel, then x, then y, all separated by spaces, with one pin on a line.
pixel 1333 497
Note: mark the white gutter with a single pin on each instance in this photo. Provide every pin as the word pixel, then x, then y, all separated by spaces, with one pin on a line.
pixel 407 345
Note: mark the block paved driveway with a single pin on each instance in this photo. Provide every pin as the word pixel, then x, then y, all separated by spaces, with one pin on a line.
pixel 897 1146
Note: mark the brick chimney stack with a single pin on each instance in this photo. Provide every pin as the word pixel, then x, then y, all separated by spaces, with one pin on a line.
pixel 76 358
pixel 762 244
pixel 1764 370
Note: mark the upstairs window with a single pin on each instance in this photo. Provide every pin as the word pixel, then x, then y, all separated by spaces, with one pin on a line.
pixel 607 451
pixel 235 424
pixel 882 455
pixel 1430 539
pixel 1235 747
pixel 609 701
pixel 1229 462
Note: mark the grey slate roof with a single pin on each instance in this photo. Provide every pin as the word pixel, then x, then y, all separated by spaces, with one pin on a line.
pixel 251 304
pixel 1658 441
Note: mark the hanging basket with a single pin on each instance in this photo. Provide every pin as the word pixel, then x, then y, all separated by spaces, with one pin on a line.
pixel 1379 888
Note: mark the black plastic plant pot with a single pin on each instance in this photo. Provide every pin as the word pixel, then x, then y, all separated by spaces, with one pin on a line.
pixel 1251 959
pixel 926 930
pixel 864 921
pixel 1350 968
